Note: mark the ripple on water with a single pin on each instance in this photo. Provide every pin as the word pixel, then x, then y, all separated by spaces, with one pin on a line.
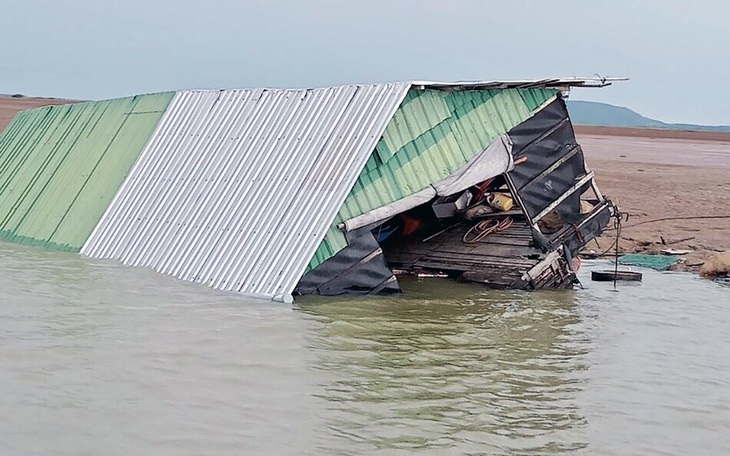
pixel 98 358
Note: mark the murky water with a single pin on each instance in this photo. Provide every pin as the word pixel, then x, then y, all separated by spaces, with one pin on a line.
pixel 96 358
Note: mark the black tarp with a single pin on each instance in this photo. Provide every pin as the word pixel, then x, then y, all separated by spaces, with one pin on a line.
pixel 575 239
pixel 359 268
pixel 544 140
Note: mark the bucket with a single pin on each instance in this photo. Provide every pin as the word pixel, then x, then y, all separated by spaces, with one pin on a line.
pixel 500 201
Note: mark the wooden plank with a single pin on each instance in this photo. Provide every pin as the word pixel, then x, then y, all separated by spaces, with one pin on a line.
pixel 507 240
pixel 486 249
pixel 460 267
pixel 470 263
pixel 506 252
pixel 497 261
pixel 457 264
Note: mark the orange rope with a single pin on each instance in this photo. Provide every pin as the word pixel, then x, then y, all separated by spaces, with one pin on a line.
pixel 485 228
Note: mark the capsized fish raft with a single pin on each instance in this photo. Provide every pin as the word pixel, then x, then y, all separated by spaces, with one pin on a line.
pixel 280 192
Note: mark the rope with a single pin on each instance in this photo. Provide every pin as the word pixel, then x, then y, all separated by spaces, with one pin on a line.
pixel 578 234
pixel 679 218
pixel 617 218
pixel 617 223
pixel 602 254
pixel 613 244
pixel 485 228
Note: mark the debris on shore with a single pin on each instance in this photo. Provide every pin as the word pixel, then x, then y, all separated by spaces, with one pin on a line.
pixel 717 266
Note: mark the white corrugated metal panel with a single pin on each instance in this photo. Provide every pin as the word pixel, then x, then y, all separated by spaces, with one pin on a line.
pixel 237 188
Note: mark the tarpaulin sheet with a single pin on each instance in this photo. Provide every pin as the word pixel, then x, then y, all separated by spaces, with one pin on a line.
pixel 544 140
pixel 359 268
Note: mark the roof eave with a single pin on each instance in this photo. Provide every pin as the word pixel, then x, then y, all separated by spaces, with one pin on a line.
pixel 552 83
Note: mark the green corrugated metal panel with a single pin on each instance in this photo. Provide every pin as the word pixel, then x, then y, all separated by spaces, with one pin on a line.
pixel 418 113
pixel 333 242
pixel 432 134
pixel 436 151
pixel 60 166
pixel 535 97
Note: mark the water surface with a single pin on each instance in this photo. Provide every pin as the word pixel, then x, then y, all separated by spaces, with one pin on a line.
pixel 97 358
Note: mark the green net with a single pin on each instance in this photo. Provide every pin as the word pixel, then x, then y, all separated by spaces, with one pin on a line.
pixel 658 262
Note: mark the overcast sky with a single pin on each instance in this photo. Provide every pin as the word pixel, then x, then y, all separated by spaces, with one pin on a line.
pixel 675 52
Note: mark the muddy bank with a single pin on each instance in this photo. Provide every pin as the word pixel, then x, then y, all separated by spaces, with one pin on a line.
pixel 663 178
pixel 10 106
pixel 593 130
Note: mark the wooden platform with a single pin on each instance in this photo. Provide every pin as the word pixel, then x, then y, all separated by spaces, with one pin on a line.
pixel 498 261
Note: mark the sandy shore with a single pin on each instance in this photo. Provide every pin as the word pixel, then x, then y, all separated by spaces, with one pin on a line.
pixel 653 175
pixel 703 136
pixel 9 107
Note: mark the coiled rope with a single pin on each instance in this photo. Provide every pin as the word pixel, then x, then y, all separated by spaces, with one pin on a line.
pixel 485 228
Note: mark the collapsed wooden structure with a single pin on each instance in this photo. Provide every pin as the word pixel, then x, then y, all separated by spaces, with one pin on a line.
pixel 557 209
pixel 277 192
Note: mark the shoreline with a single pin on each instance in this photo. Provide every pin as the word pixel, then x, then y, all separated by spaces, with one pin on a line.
pixel 651 133
pixel 664 178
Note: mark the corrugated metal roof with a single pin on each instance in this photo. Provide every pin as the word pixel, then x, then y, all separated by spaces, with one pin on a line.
pixel 237 188
pixel 433 134
pixel 60 166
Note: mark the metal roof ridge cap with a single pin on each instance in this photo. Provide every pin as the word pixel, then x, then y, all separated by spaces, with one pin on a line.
pixel 576 81
pixel 297 89
pixel 88 102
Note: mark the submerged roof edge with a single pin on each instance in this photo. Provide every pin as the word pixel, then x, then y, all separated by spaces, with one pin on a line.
pixel 272 281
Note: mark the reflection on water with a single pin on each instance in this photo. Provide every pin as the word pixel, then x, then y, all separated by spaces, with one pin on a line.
pixel 450 368
pixel 96 358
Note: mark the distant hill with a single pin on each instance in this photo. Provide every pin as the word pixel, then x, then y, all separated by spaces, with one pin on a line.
pixel 594 113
